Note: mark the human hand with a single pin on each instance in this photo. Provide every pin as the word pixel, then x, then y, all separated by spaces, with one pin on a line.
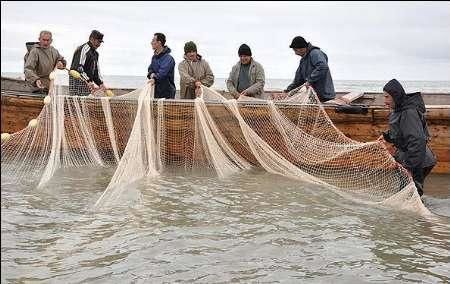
pixel 151 81
pixel 243 93
pixel 91 86
pixel 198 84
pixel 39 84
pixel 307 84
pixel 60 65
pixel 102 87
pixel 198 92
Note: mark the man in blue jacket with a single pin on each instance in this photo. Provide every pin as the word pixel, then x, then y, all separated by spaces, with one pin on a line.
pixel 161 70
pixel 313 70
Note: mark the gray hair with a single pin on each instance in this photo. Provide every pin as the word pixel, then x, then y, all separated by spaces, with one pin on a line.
pixel 42 33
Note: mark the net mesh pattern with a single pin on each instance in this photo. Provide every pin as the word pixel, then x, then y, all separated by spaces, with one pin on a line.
pixel 141 136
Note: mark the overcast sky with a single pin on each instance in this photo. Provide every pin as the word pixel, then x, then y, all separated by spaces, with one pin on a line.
pixel 363 40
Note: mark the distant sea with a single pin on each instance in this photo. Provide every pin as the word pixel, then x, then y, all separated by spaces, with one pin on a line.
pixel 121 81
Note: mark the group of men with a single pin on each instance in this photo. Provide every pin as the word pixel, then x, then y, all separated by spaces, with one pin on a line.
pixel 246 78
pixel 43 58
pixel 407 131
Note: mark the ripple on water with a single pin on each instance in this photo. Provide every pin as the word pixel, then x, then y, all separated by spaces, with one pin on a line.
pixel 253 227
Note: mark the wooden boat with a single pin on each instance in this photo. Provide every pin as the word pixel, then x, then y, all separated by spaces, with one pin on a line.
pixel 362 120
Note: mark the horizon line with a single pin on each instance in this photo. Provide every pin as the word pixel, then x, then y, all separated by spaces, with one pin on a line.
pixel 405 80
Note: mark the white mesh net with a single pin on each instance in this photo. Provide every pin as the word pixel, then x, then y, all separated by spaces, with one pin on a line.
pixel 141 137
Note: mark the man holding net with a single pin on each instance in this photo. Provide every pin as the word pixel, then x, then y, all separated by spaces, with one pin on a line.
pixel 85 62
pixel 40 62
pixel 313 70
pixel 161 71
pixel 247 77
pixel 408 132
pixel 194 72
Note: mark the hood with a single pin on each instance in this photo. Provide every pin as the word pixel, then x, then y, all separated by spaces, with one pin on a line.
pixel 310 47
pixel 401 99
pixel 166 50
pixel 31 44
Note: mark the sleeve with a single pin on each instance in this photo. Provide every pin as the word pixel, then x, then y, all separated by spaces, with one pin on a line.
pixel 30 67
pixel 319 62
pixel 184 74
pixel 414 137
pixel 208 80
pixel 387 136
pixel 98 76
pixel 83 55
pixel 230 85
pixel 150 70
pixel 59 57
pixel 258 86
pixel 167 64
pixel 298 81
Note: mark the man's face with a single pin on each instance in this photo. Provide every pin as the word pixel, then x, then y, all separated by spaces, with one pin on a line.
pixel 96 43
pixel 300 51
pixel 245 59
pixel 45 40
pixel 155 43
pixel 192 55
pixel 388 100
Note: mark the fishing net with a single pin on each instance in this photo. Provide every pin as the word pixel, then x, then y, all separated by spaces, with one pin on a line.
pixel 141 137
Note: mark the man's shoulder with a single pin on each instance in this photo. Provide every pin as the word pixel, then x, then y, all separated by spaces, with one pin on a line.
pixel 53 49
pixel 168 56
pixel 316 52
pixel 184 62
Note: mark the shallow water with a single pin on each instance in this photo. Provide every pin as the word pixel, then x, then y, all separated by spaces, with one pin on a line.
pixel 254 227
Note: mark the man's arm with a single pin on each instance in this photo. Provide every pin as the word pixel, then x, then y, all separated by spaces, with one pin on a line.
pixel 320 64
pixel 258 86
pixel 183 69
pixel 298 81
pixel 208 80
pixel 230 84
pixel 30 67
pixel 97 75
pixel 166 65
pixel 60 61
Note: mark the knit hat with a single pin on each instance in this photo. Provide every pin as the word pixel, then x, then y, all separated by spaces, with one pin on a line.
pixel 244 50
pixel 189 47
pixel 298 42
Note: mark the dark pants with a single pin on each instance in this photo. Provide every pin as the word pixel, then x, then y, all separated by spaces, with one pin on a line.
pixel 419 179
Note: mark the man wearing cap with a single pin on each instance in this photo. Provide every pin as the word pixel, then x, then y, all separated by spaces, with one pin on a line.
pixel 41 60
pixel 313 70
pixel 85 61
pixel 194 72
pixel 247 76
pixel 162 68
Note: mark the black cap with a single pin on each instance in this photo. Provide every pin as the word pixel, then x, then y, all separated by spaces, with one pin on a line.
pixel 244 50
pixel 96 35
pixel 298 42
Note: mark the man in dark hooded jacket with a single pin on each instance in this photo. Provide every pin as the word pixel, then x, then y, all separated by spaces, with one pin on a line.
pixel 161 70
pixel 408 132
pixel 313 70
